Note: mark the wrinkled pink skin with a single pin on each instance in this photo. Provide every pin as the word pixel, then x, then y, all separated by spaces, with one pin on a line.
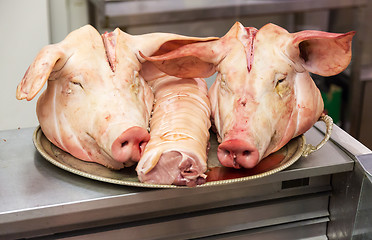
pixel 263 95
pixel 96 105
pixel 177 151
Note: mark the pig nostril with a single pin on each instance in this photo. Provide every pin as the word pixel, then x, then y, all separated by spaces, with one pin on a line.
pixel 226 152
pixel 142 145
pixel 246 153
pixel 124 144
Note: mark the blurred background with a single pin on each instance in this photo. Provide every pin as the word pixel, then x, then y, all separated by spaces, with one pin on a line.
pixel 27 26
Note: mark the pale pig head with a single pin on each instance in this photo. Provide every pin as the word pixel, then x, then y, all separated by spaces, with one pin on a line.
pixel 263 95
pixel 96 106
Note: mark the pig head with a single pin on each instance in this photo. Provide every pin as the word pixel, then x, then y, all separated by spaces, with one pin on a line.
pixel 263 95
pixel 96 105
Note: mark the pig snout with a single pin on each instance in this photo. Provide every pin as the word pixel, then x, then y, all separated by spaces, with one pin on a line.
pixel 237 153
pixel 129 146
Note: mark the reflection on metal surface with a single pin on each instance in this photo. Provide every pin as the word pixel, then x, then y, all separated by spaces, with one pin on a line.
pixel 266 221
pixel 350 204
pixel 363 222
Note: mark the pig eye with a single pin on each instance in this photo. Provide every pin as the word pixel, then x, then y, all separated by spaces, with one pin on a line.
pixel 279 78
pixel 280 81
pixel 281 88
pixel 135 86
pixel 77 84
pixel 223 83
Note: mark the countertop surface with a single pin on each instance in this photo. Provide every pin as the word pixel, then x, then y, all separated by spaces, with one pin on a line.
pixel 36 197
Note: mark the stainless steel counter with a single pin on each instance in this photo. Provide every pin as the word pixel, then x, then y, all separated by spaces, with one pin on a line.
pixel 37 198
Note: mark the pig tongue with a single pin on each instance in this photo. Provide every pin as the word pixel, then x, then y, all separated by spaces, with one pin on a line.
pixel 237 153
pixel 129 146
pixel 175 168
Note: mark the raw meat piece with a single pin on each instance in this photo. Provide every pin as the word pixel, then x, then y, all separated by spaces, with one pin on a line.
pixel 177 151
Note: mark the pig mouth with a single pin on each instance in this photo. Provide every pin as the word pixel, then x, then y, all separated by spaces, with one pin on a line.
pixel 237 153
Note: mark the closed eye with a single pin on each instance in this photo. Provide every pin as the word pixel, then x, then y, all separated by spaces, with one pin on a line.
pixel 280 81
pixel 281 88
pixel 77 84
pixel 279 78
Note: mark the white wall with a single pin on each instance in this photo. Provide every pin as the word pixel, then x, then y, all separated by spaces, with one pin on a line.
pixel 66 16
pixel 24 29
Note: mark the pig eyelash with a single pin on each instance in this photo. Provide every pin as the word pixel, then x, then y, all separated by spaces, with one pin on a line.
pixel 135 86
pixel 280 89
pixel 78 84
pixel 223 83
pixel 281 80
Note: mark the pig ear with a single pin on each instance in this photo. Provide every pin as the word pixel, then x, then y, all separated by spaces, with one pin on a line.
pixel 38 72
pixel 189 61
pixel 323 53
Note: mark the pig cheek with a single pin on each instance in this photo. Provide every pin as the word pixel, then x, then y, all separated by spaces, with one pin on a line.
pixel 113 119
pixel 279 111
pixel 261 131
pixel 47 119
pixel 310 104
pixel 55 120
pixel 75 119
pixel 224 112
pixel 48 113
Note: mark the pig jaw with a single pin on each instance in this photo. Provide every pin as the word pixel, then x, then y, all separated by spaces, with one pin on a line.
pixel 121 143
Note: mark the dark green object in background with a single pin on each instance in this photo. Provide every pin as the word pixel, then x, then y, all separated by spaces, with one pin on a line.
pixel 332 102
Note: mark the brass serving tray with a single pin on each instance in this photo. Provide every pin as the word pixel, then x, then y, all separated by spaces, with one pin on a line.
pixel 216 174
